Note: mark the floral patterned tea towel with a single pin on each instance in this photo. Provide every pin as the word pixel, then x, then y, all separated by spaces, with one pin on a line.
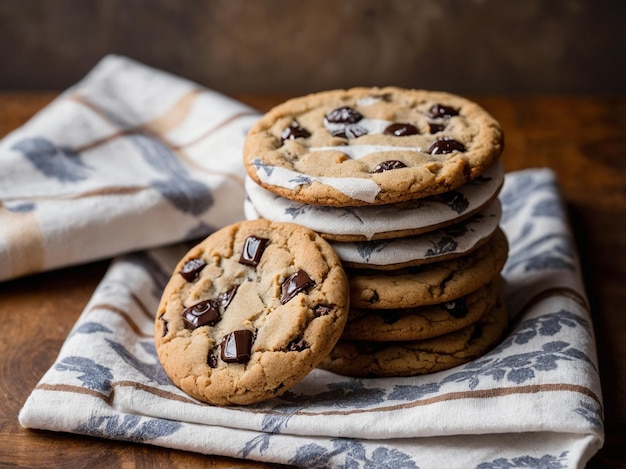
pixel 533 401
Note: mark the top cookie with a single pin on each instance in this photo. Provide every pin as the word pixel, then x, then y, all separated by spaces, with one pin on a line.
pixel 371 146
pixel 250 311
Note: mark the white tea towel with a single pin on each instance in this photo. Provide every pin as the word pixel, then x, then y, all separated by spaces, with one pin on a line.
pixel 534 401
pixel 127 159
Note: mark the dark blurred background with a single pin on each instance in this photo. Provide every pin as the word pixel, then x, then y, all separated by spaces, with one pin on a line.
pixel 291 46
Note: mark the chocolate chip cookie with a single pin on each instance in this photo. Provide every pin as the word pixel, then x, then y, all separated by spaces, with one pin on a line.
pixel 424 322
pixel 431 283
pixel 379 359
pixel 250 311
pixel 371 146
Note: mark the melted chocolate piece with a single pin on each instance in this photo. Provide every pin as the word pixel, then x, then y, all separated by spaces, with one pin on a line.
pixel 445 145
pixel 441 110
pixel 388 165
pixel 297 345
pixel 294 131
pixel 204 313
pixel 224 299
pixel 322 310
pixel 434 127
pixel 252 251
pixel 401 129
pixel 344 115
pixel 457 308
pixel 165 328
pixel 208 312
pixel 211 360
pixel 294 284
pixel 355 131
pixel 236 346
pixel 349 131
pixel 191 269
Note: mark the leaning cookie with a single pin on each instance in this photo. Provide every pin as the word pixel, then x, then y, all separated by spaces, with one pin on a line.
pixel 349 224
pixel 371 146
pixel 387 359
pixel 428 284
pixel 250 311
pixel 393 325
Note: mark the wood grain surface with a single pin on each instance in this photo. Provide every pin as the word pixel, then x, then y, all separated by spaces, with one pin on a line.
pixel 582 138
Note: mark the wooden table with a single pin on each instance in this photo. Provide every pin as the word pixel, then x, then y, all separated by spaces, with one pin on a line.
pixel 582 138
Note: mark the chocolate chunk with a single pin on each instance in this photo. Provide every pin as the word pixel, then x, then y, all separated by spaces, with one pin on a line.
pixel 401 129
pixel 165 328
pixel 294 131
pixel 435 127
pixel 211 360
pixel 322 310
pixel 349 131
pixel 191 269
pixel 441 110
pixel 294 284
pixel 204 313
pixel 253 248
pixel 224 299
pixel 355 131
pixel 208 312
pixel 297 345
pixel 445 145
pixel 457 308
pixel 344 115
pixel 236 346
pixel 388 165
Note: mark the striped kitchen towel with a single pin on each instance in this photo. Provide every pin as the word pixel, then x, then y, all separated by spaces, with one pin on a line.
pixel 129 158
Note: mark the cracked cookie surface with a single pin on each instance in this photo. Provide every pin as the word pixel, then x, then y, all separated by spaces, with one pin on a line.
pixel 250 311
pixel 431 283
pixel 380 359
pixel 371 146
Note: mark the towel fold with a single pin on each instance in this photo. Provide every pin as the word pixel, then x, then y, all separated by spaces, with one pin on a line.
pixel 127 159
pixel 132 158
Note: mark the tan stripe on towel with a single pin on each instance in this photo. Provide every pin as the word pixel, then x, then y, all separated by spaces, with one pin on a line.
pixel 127 317
pixel 25 242
pixel 480 394
pixel 108 398
pixel 173 117
pixel 158 126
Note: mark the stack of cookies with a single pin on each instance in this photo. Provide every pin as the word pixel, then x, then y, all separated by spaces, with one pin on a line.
pixel 403 184
pixel 372 249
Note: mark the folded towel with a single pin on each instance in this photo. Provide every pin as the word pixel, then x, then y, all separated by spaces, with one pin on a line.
pixel 129 158
pixel 533 401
